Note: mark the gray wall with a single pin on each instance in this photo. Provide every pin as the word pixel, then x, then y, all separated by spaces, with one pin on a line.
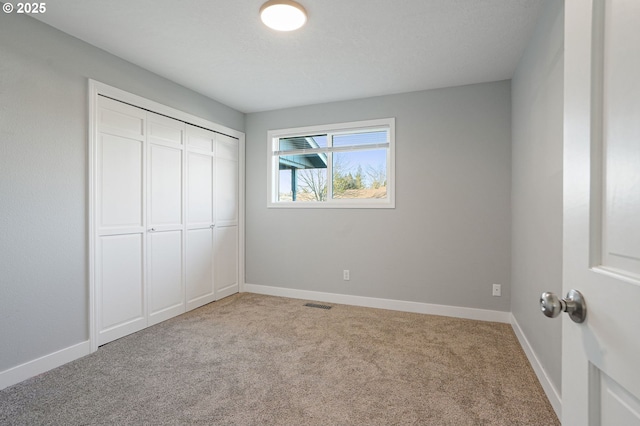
pixel 448 239
pixel 537 187
pixel 43 178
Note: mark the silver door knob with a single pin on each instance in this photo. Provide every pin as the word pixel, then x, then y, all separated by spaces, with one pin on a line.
pixel 551 305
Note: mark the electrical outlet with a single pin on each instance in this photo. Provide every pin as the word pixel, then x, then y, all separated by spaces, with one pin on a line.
pixel 497 290
pixel 345 275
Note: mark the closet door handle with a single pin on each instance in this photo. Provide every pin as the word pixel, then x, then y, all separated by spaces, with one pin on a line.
pixel 152 230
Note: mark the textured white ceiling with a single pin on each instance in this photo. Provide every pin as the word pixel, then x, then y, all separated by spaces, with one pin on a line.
pixel 348 49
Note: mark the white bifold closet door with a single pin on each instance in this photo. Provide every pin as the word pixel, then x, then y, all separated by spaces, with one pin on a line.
pixel 212 216
pixel 165 213
pixel 225 250
pixel 201 163
pixel 120 220
pixel 166 218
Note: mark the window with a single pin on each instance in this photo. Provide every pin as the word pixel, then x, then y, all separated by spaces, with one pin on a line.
pixel 347 165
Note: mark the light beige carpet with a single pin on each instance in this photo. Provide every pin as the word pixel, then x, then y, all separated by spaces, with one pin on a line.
pixel 260 360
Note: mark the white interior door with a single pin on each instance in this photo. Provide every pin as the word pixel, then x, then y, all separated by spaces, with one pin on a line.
pixel 200 216
pixel 119 222
pixel 601 357
pixel 165 223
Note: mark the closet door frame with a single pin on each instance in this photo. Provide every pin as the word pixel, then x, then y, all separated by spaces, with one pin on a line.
pixel 97 89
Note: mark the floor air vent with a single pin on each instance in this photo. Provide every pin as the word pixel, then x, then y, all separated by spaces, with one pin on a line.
pixel 316 305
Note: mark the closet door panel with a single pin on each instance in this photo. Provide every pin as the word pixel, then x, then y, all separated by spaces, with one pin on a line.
pixel 200 215
pixel 225 256
pixel 165 233
pixel 121 119
pixel 164 129
pixel 200 177
pixel 226 192
pixel 200 289
pixel 226 181
pixel 201 139
pixel 165 165
pixel 166 295
pixel 119 220
pixel 120 181
pixel 121 285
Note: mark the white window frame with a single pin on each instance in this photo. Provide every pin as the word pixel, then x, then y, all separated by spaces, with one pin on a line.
pixel 273 175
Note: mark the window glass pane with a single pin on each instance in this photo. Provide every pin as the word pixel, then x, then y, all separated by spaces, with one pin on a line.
pixel 285 193
pixel 360 174
pixel 302 177
pixel 302 142
pixel 365 138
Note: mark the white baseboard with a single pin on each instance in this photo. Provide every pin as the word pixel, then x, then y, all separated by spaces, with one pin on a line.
pixel 549 389
pixel 45 363
pixel 373 302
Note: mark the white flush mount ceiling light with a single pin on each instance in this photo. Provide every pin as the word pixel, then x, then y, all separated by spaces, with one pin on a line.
pixel 283 15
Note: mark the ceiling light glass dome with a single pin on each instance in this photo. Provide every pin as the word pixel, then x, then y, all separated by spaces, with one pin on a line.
pixel 283 15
